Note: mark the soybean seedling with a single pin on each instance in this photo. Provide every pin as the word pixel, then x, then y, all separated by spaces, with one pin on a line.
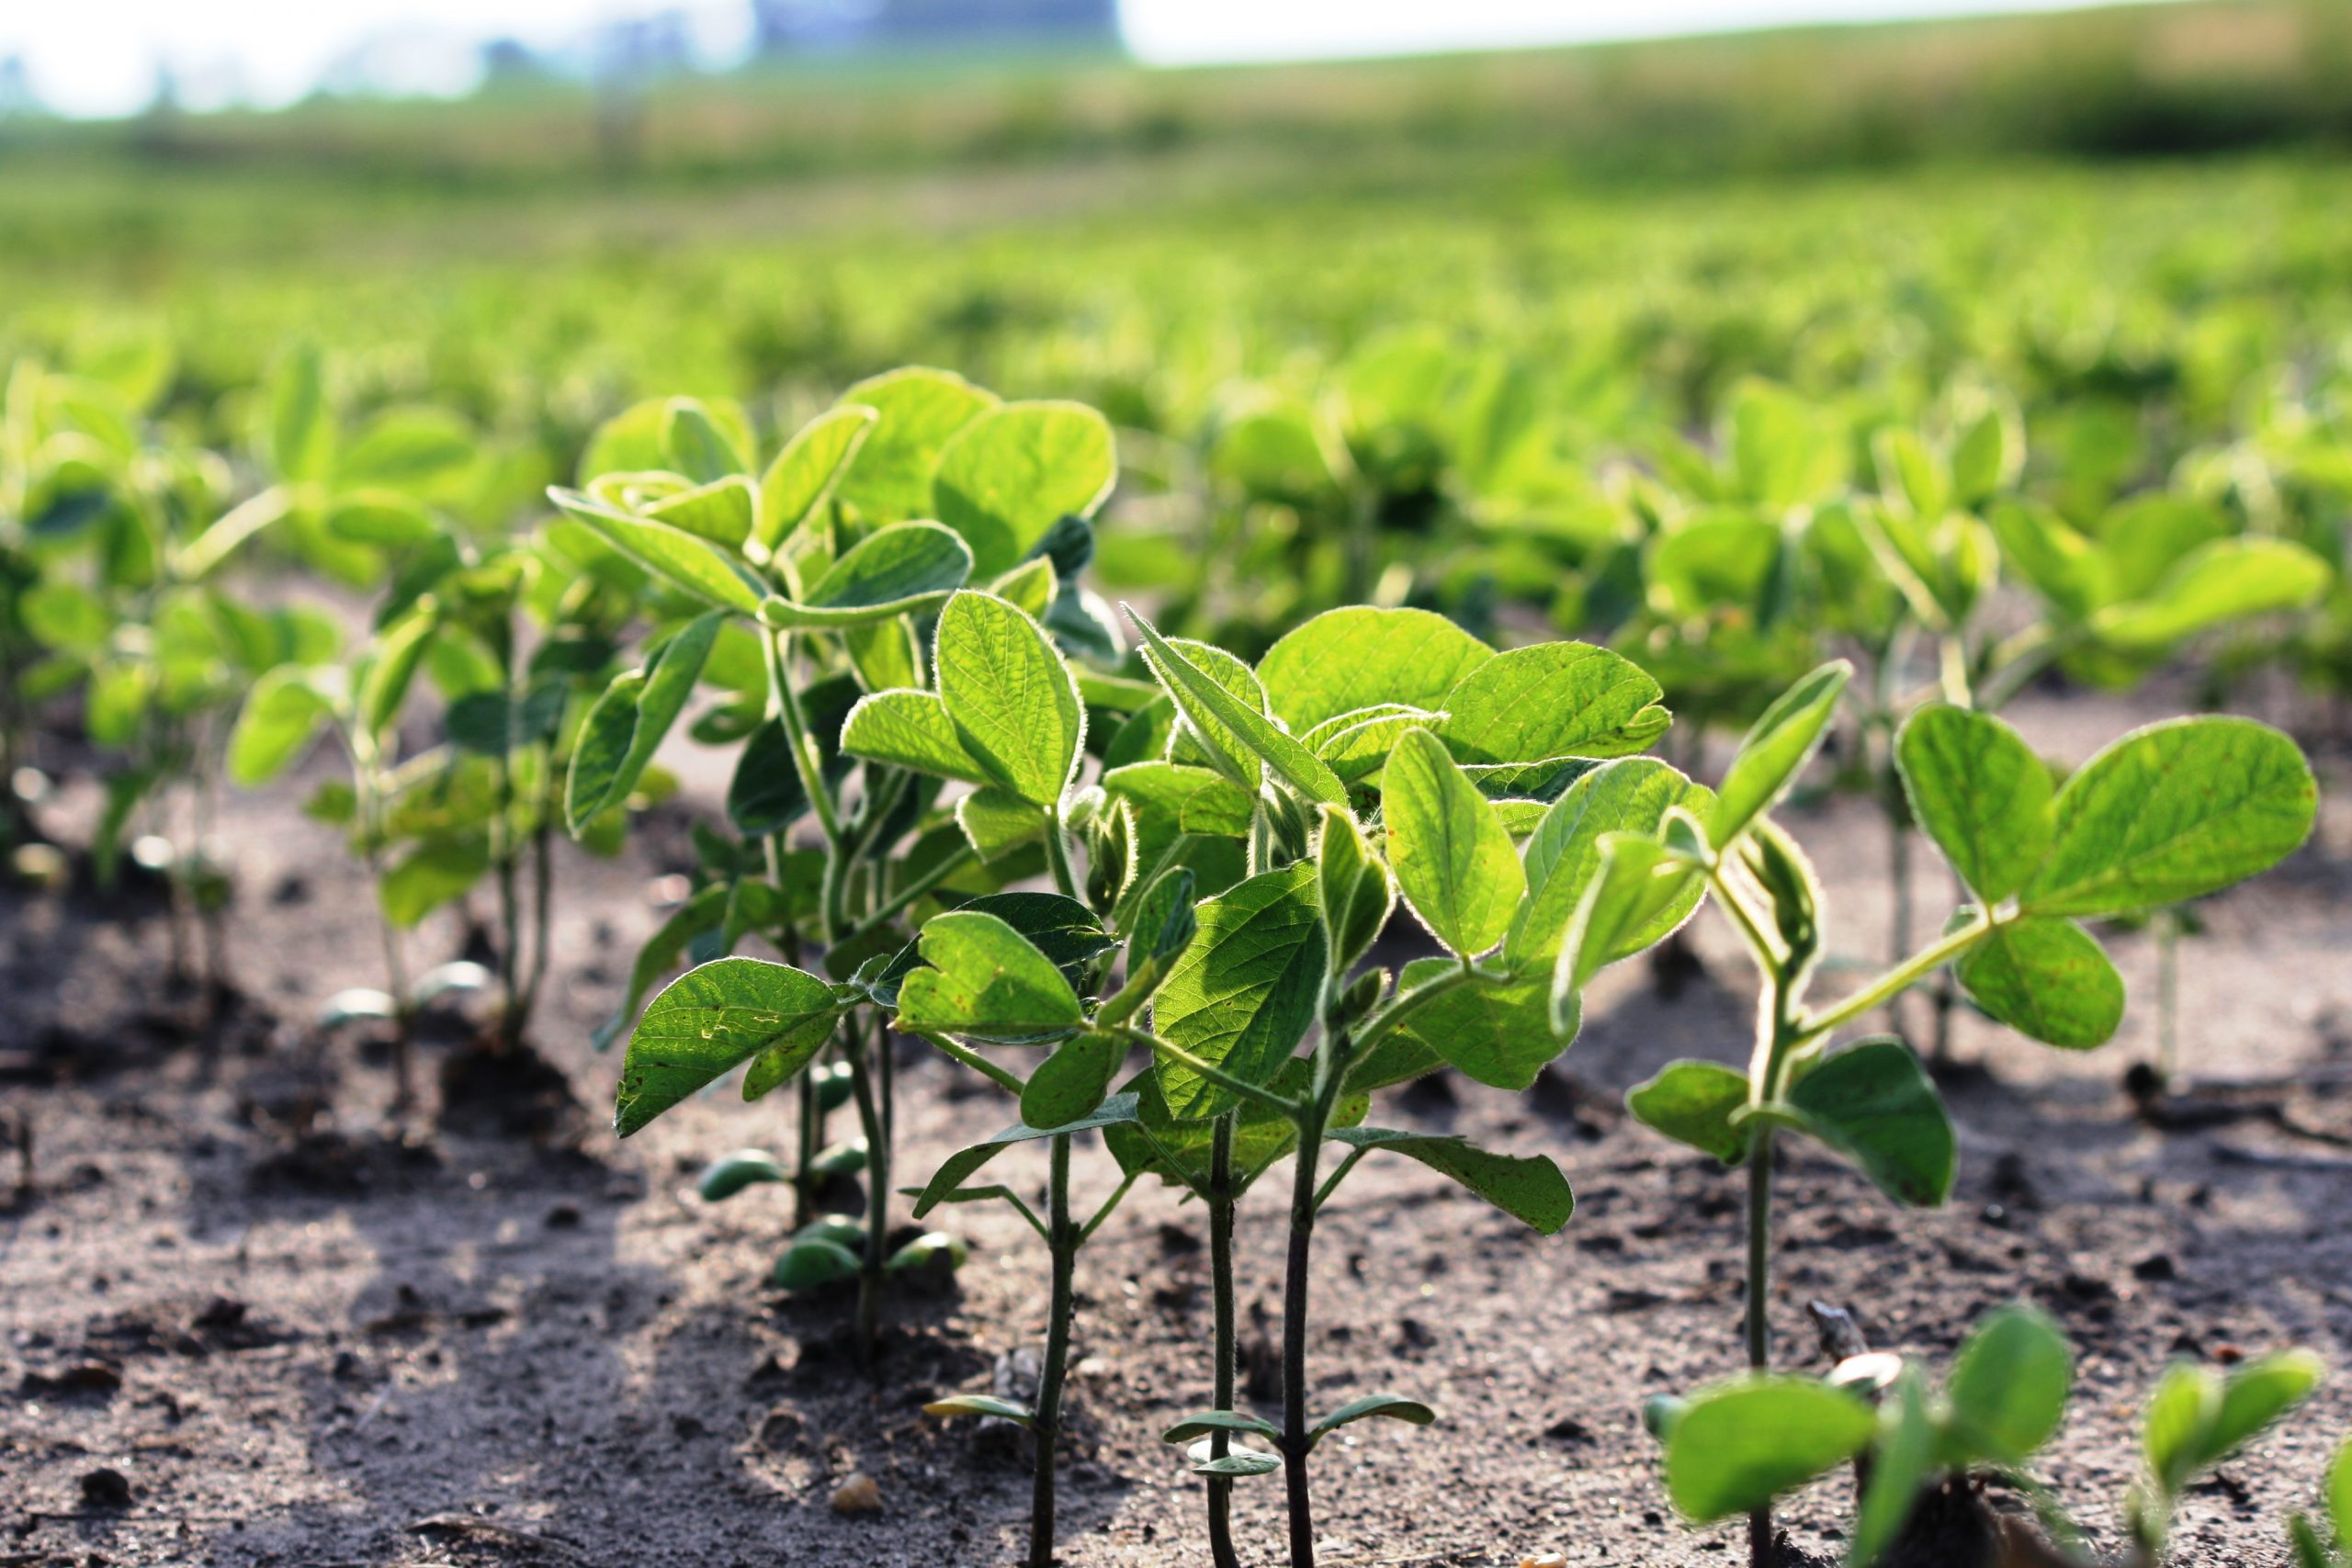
pixel 2169 812
pixel 1740 1447
pixel 2327 1544
pixel 2115 601
pixel 987 981
pixel 815 578
pixel 1447 746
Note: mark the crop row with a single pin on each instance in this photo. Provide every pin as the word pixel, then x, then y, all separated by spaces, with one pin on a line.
pixel 884 616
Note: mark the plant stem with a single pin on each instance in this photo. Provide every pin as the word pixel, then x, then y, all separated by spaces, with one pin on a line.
pixel 1221 1203
pixel 1295 1277
pixel 1332 1055
pixel 1169 1050
pixel 1758 1327
pixel 2167 997
pixel 915 888
pixel 1925 961
pixel 1057 856
pixel 877 1194
pixel 804 1189
pixel 1062 1239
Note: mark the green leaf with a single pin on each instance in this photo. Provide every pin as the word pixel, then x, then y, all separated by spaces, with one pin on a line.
pixel 1010 695
pixel 712 1019
pixel 626 726
pixel 2339 1495
pixel 2044 977
pixel 66 617
pixel 898 570
pixel 1412 1412
pixel 985 978
pixel 1631 794
pixel 1355 893
pixel 719 511
pixel 730 1174
pixel 399 650
pixel 2009 1384
pixel 1160 921
pixel 805 473
pixel 1345 660
pixel 1243 992
pixel 667 552
pixel 1741 1445
pixel 1196 737
pixel 2254 1396
pixel 2172 812
pixel 1693 1103
pixel 998 822
pixel 910 729
pixel 283 715
pixel 1455 862
pixel 921 409
pixel 406 448
pixel 1873 1103
pixel 1556 699
pixel 1775 748
pixel 2228 580
pixel 1528 1189
pixel 1012 473
pixel 764 795
pixel 301 436
pixel 813 1264
pixel 1497 1033
pixel 693 445
pixel 2179 1413
pixel 1237 1465
pixel 1356 745
pixel 1070 1084
pixel 1178 1151
pixel 1210 1422
pixel 1980 792
pixel 981 1404
pixel 960 1167
pixel 429 876
pixel 1641 888
pixel 702 912
pixel 1901 1461
pixel 1207 703
pixel 1197 800
pixel 379 517
pixel 1029 587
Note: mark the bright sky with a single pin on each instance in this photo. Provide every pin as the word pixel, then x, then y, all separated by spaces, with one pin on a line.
pixel 101 56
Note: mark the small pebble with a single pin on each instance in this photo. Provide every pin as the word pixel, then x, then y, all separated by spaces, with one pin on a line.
pixel 1545 1560
pixel 858 1495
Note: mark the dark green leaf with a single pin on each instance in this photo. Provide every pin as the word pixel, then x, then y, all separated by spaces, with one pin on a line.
pixel 1693 1103
pixel 2045 977
pixel 1872 1103
pixel 712 1019
pixel 1455 862
pixel 1528 1189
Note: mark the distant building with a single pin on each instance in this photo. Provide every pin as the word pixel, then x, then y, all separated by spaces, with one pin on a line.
pixel 792 26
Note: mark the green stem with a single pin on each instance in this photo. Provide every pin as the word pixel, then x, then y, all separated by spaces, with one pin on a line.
pixel 1759 1333
pixel 1057 855
pixel 1047 1425
pixel 2167 997
pixel 803 1185
pixel 1908 973
pixel 960 1052
pixel 890 907
pixel 1222 1202
pixel 1167 1051
pixel 877 1195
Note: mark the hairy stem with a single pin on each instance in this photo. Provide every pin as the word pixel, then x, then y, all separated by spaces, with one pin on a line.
pixel 1758 1324
pixel 877 1194
pixel 1221 1204
pixel 2169 924
pixel 1062 1239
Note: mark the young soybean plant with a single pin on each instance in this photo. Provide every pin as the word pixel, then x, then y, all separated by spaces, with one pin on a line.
pixel 2116 601
pixel 1398 721
pixel 2332 1548
pixel 1744 1444
pixel 992 978
pixel 815 576
pixel 2168 812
